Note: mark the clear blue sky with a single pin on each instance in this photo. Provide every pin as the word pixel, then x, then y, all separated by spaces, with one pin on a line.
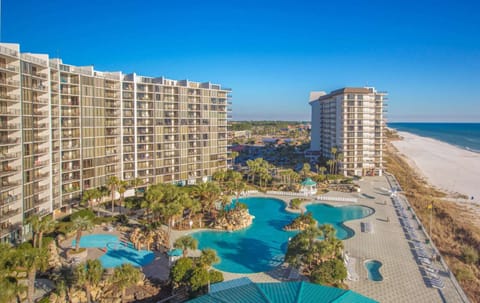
pixel 426 54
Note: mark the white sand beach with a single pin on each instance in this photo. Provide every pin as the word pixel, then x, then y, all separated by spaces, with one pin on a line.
pixel 449 168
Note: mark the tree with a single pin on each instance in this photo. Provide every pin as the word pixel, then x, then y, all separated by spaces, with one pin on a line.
pixel 122 188
pixel 40 226
pixel 330 272
pixel 306 169
pixel 90 196
pixel 185 243
pixel 125 276
pixel 207 193
pixel 112 183
pixel 208 257
pixel 322 170
pixel 32 259
pixel 330 164
pixel 10 287
pixel 234 155
pixel 333 151
pixel 181 270
pixel 339 159
pixel 136 183
pixel 153 198
pixel 81 224
pixel 89 274
pixel 199 278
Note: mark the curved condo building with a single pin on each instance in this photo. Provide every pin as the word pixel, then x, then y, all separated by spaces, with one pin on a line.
pixel 65 129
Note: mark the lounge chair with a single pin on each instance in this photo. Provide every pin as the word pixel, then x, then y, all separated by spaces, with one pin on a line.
pixel 425 260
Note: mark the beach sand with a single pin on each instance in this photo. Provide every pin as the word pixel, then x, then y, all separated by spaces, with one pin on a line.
pixel 446 167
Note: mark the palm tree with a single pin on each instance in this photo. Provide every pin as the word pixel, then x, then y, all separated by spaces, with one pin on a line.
pixel 40 226
pixel 32 259
pixel 234 155
pixel 340 158
pixel 185 243
pixel 90 196
pixel 125 276
pixel 334 150
pixel 81 224
pixel 330 165
pixel 89 274
pixel 207 193
pixel 305 169
pixel 153 197
pixel 136 183
pixel 328 231
pixel 322 170
pixel 112 183
pixel 170 211
pixel 208 257
pixel 122 188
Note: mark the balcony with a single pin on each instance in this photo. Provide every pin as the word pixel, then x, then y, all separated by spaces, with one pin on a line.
pixel 9 141
pixel 9 199
pixel 7 214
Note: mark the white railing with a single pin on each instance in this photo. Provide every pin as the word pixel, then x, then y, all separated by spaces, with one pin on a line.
pixel 336 199
pixel 452 277
pixel 287 193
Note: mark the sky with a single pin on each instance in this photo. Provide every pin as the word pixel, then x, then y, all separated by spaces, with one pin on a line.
pixel 425 54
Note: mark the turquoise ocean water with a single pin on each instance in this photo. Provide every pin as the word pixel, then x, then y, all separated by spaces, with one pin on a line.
pixel 463 135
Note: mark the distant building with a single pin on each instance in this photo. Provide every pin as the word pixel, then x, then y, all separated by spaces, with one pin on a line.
pixel 350 119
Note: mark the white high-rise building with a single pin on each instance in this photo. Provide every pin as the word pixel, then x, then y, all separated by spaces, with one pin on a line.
pixel 352 121
pixel 65 129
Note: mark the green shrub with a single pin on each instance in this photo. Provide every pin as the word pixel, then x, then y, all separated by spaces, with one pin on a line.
pixel 295 203
pixel 122 219
pixel 199 278
pixel 64 228
pixel 469 254
pixel 215 276
pixel 463 273
pixel 181 270
pixel 329 272
pixel 100 220
pixel 83 213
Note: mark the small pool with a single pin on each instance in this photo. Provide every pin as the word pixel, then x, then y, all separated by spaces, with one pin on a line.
pixel 118 252
pixel 262 246
pixel 373 270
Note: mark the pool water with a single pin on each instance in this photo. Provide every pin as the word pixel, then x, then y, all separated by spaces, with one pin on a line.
pixel 373 270
pixel 118 252
pixel 262 246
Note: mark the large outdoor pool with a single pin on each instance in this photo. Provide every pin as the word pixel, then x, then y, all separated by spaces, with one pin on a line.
pixel 117 252
pixel 262 246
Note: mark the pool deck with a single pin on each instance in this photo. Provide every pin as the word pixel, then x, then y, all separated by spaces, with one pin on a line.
pixel 403 275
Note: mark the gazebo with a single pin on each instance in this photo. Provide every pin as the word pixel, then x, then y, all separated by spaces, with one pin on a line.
pixel 309 187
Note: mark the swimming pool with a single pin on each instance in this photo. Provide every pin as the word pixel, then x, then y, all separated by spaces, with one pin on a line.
pixel 373 270
pixel 262 246
pixel 117 252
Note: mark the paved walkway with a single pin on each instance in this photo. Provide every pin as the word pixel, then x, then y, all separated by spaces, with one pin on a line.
pixel 404 276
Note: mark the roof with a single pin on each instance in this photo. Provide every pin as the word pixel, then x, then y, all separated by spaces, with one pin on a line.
pixel 244 290
pixel 309 182
pixel 346 90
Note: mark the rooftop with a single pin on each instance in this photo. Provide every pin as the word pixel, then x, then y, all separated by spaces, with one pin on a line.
pixel 244 290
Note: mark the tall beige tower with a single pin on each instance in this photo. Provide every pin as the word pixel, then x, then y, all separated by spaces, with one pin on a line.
pixel 351 120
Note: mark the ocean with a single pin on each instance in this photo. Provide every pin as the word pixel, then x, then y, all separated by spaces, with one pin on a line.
pixel 463 135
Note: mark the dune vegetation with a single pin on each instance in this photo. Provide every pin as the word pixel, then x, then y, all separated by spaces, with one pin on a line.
pixel 454 231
